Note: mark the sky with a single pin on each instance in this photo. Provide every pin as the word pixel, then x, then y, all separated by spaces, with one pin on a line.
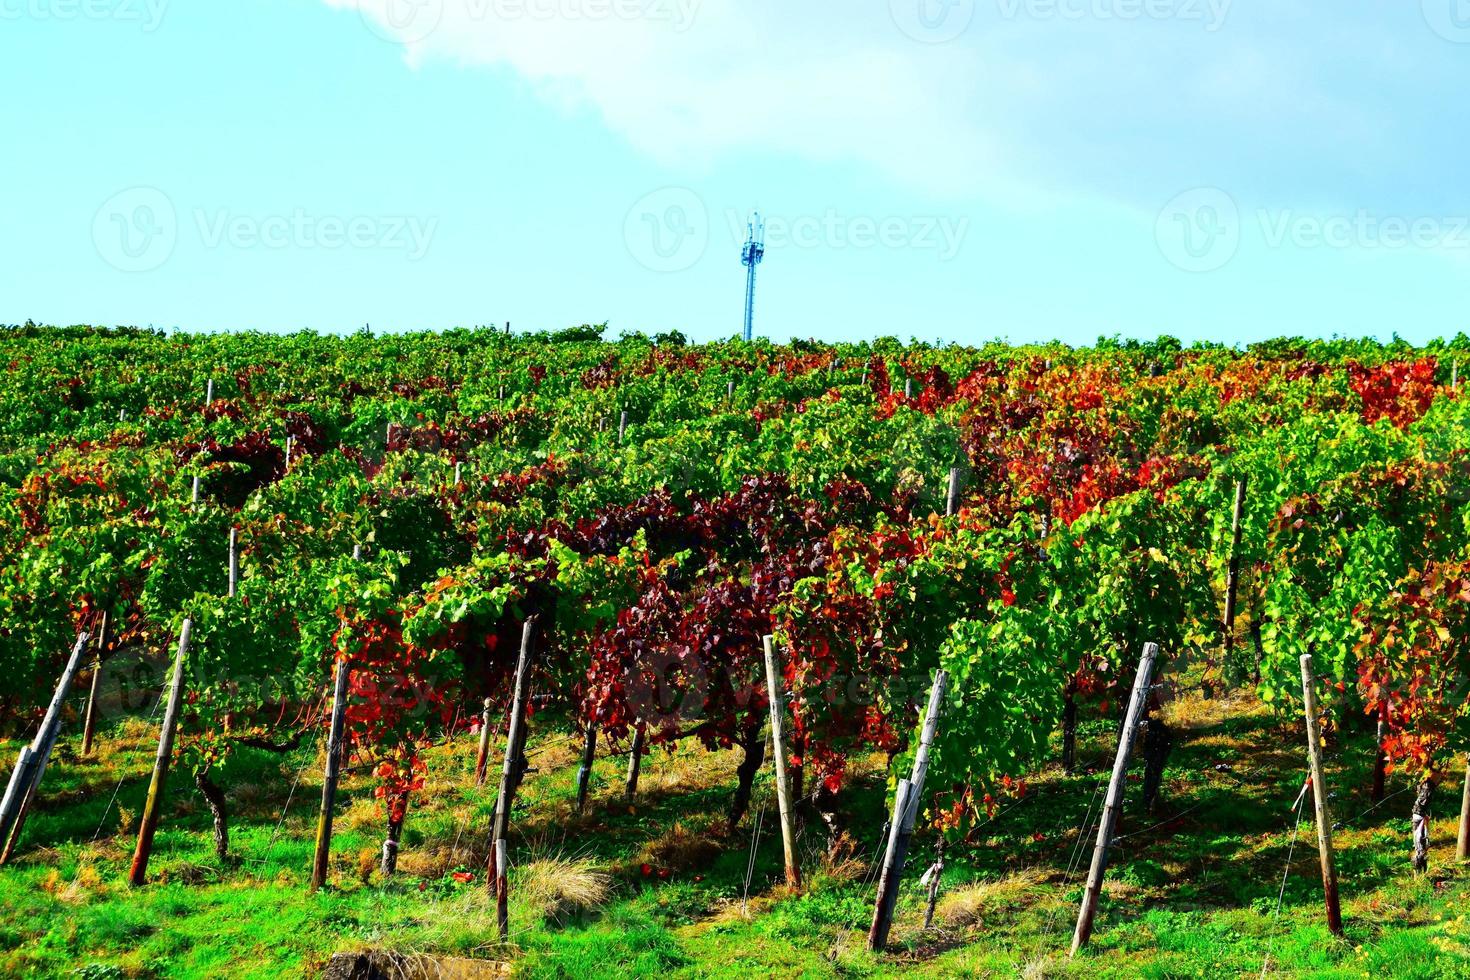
pixel 950 170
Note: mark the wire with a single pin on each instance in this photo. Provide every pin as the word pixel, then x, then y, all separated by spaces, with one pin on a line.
pixel 1286 871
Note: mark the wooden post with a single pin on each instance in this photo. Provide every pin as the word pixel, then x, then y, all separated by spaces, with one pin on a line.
pixel 332 775
pixel 1380 757
pixel 1455 375
pixel 502 890
pixel 882 913
pixel 290 449
pixel 482 758
pixel 1232 575
pixel 194 493
pixel 774 679
pixel 1319 796
pixel 584 771
pixel 952 500
pixel 457 471
pixel 635 761
pixel 515 745
pixel 1462 849
pixel 234 561
pixel 729 391
pixel 905 810
pixel 209 392
pixel 1114 800
pixel 622 426
pixel 30 768
pixel 157 784
pixel 908 388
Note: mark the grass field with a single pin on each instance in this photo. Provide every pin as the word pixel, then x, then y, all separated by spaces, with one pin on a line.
pixel 1192 892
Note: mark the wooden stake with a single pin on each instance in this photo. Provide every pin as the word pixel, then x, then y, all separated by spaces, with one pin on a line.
pixel 1114 801
pixel 330 777
pixel 457 472
pixel 482 759
pixel 157 784
pixel 622 426
pixel 209 392
pixel 729 391
pixel 234 561
pixel 32 765
pixel 515 745
pixel 1319 796
pixel 783 785
pixel 635 761
pixel 194 493
pixel 1232 575
pixel 1462 849
pixel 908 388
pixel 584 771
pixel 502 890
pixel 952 500
pixel 905 809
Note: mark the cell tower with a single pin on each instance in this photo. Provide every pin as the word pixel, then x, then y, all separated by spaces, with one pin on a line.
pixel 750 257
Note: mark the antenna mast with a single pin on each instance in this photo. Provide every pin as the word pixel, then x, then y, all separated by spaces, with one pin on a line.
pixel 750 257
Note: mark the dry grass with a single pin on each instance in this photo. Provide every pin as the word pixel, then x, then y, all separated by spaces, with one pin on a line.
pixel 554 888
pixel 685 846
pixel 968 906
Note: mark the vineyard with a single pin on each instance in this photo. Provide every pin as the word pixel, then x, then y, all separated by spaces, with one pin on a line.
pixel 546 654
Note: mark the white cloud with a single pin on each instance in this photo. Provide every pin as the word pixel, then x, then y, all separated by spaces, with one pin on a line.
pixel 1031 101
pixel 687 80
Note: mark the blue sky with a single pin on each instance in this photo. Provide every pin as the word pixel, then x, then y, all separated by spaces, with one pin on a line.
pixel 946 169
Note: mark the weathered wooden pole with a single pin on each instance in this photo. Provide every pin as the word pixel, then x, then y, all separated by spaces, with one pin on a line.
pixel 1462 848
pixel 290 449
pixel 158 783
pixel 458 469
pixel 905 810
pixel 774 685
pixel 209 392
pixel 482 758
pixel 952 499
pixel 1380 757
pixel 501 884
pixel 584 771
pixel 32 764
pixel 908 388
pixel 194 492
pixel 1114 800
pixel 1319 797
pixel 622 426
pixel 234 561
pixel 331 776
pixel 515 749
pixel 635 761
pixel 1232 574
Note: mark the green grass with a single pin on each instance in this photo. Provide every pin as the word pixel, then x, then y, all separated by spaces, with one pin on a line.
pixel 1192 890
